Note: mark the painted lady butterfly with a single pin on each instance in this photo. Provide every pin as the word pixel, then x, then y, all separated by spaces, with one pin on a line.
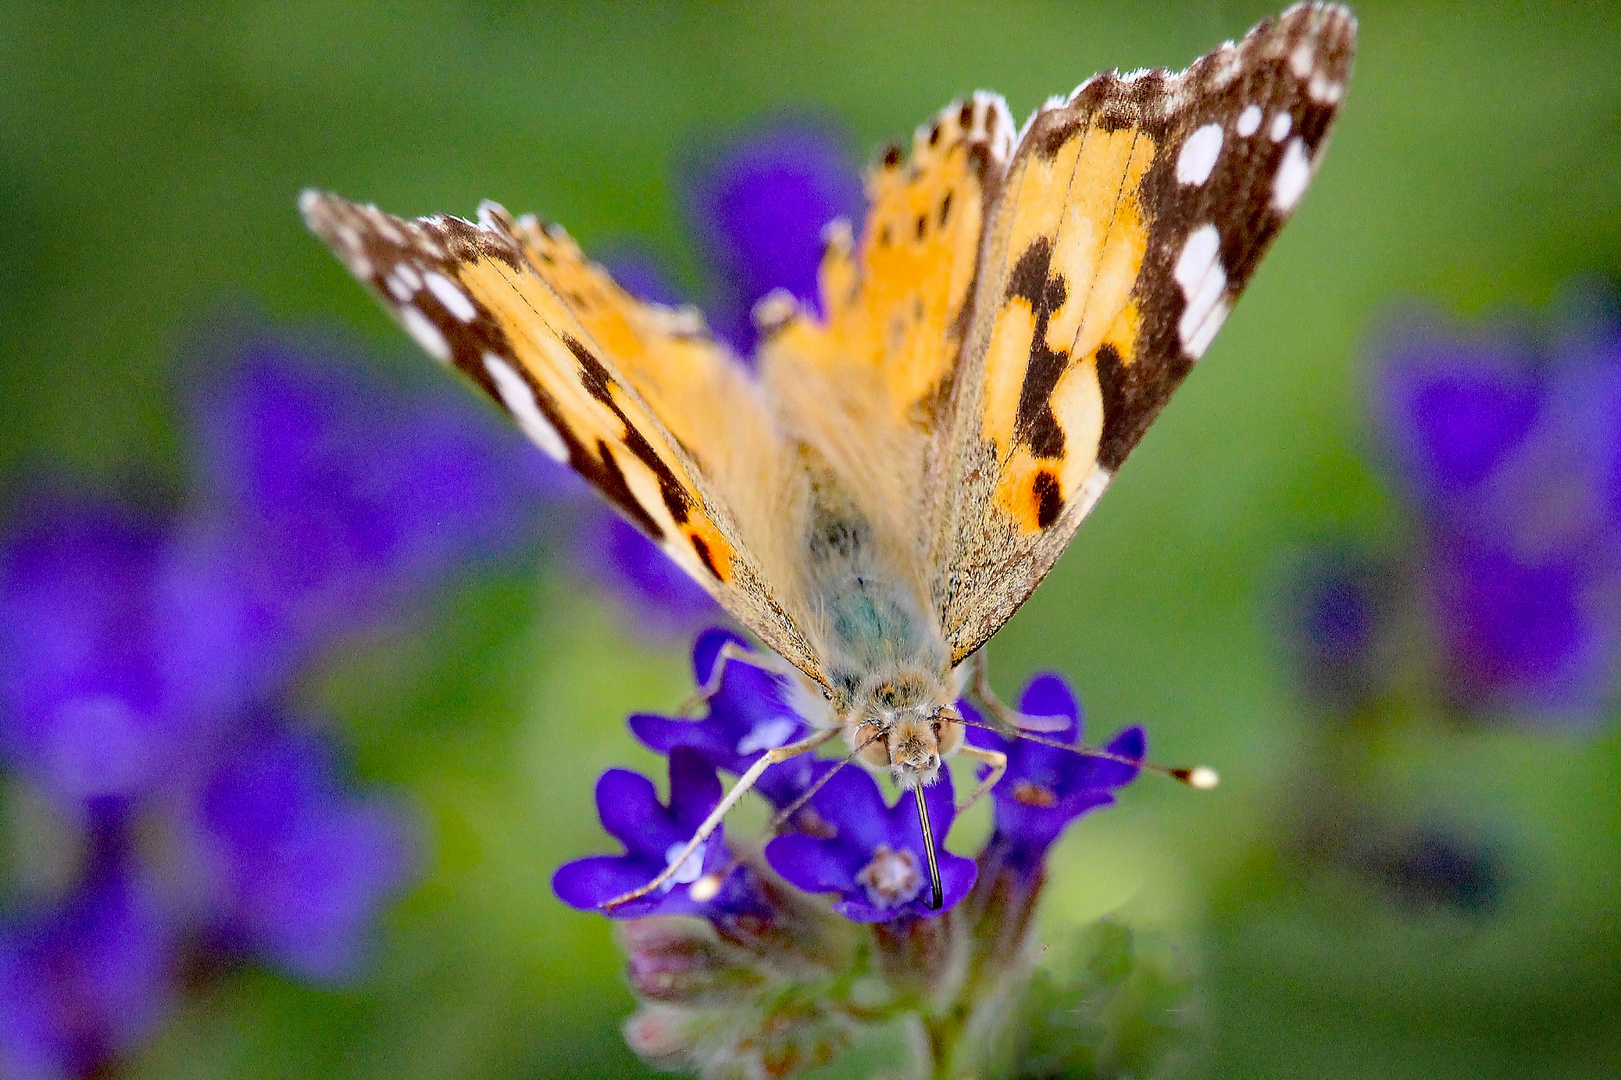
pixel 905 469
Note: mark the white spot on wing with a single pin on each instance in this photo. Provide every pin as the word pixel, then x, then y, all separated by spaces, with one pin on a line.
pixel 1200 273
pixel 360 266
pixel 1199 154
pixel 1205 332
pixel 520 402
pixel 1226 64
pixel 1293 174
pixel 427 334
pixel 1281 124
pixel 1200 252
pixel 450 294
pixel 1300 61
pixel 1249 121
pixel 1323 89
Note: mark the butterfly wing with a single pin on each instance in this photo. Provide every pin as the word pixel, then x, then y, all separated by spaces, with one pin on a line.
pixel 634 397
pixel 863 386
pixel 1130 218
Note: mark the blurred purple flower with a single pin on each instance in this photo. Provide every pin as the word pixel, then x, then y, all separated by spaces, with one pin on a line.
pixel 88 706
pixel 662 600
pixel 138 658
pixel 1045 787
pixel 326 495
pixel 1453 407
pixel 1510 448
pixel 653 834
pixel 749 714
pixel 875 859
pixel 295 867
pixel 1535 631
pixel 758 208
pixel 84 981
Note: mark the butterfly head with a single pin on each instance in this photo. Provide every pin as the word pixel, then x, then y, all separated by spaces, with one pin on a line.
pixel 904 721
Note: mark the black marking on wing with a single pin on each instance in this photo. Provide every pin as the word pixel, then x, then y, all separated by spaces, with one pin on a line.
pixel 701 548
pixel 610 480
pixel 595 378
pixel 1118 436
pixel 1035 424
pixel 1049 498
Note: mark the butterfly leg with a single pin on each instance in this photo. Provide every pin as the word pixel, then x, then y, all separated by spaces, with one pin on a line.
pixel 733 797
pixel 1011 719
pixel 998 763
pixel 729 652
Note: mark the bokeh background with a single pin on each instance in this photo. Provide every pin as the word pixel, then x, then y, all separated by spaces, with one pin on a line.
pixel 150 159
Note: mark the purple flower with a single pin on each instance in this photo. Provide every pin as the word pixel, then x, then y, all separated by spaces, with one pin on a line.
pixel 758 208
pixel 653 834
pixel 295 867
pixel 88 706
pixel 1530 632
pixel 662 600
pixel 749 714
pixel 83 982
pixel 1454 406
pixel 138 658
pixel 327 495
pixel 1510 448
pixel 1046 787
pixel 874 858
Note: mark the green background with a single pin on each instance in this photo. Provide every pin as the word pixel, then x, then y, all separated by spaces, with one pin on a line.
pixel 150 158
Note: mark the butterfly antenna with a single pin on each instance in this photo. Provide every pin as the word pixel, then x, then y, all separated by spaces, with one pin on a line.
pixel 928 849
pixel 1202 777
pixel 794 807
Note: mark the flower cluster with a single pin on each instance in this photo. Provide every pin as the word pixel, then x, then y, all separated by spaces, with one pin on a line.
pixel 145 716
pixel 763 980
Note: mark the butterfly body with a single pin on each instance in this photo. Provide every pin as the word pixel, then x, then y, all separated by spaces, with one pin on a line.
pixel 888 670
pixel 917 449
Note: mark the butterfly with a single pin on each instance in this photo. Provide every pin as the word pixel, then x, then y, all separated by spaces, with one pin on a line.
pixel 910 458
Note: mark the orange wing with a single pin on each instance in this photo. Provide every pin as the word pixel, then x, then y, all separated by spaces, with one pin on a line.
pixel 634 397
pixel 1131 217
pixel 862 389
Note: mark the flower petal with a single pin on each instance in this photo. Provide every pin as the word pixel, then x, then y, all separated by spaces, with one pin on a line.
pixel 631 813
pixel 695 790
pixel 1049 695
pixel 812 864
pixel 587 883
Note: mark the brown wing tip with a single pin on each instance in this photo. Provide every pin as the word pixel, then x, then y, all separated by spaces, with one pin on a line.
pixel 1329 28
